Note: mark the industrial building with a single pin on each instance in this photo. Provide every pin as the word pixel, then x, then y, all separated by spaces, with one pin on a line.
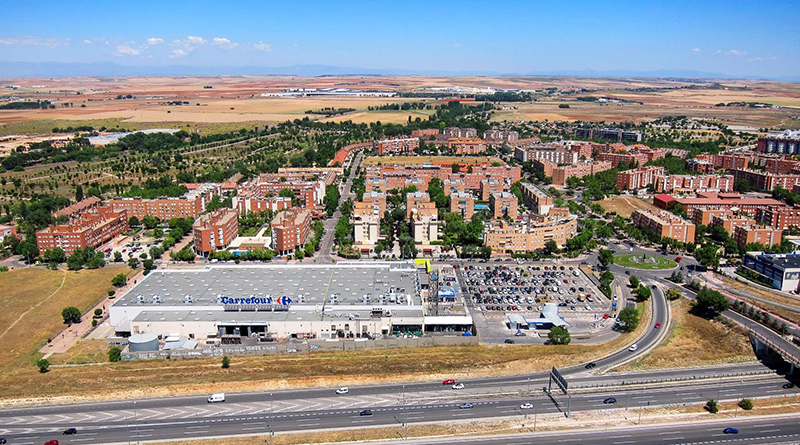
pixel 265 303
pixel 782 271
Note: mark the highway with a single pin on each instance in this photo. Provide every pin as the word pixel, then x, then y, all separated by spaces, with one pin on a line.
pixel 231 423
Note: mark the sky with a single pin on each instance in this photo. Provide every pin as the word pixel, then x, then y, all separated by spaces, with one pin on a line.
pixel 738 38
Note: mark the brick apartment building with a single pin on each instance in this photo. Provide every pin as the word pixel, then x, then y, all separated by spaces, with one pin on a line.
pixel 638 178
pixel 557 154
pixel 503 204
pixel 700 166
pixel 451 186
pixel 713 200
pixel 190 205
pixel 425 223
pixel 7 230
pixel 375 198
pixel 311 193
pixel 463 203
pixel 500 137
pixel 89 204
pixel 455 132
pixel 665 224
pixel 259 203
pixel 88 228
pixel 489 186
pixel 466 146
pixel 521 237
pixel 366 220
pixel 216 230
pixel 425 133
pixel 725 161
pixel 290 230
pixel 394 177
pixel 780 217
pixel 420 183
pixel 561 174
pixel 765 235
pixel 760 180
pixel 616 135
pixel 730 221
pixel 690 183
pixel 536 199
pixel 415 199
pixel 398 145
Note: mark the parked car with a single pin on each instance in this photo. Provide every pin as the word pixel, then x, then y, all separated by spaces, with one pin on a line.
pixel 342 390
pixel 70 431
pixel 610 400
pixel 465 406
pixel 458 386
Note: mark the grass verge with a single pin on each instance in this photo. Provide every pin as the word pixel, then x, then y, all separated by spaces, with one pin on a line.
pixel 628 260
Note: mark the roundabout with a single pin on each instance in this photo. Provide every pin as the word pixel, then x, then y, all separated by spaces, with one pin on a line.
pixel 644 261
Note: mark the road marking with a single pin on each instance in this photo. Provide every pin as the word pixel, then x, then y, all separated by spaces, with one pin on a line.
pixel 195 432
pixel 362 421
pixel 673 438
pixel 763 425
pixel 620 437
pixel 771 431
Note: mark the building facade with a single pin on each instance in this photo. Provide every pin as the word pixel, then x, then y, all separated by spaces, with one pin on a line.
pixel 89 229
pixel 215 231
pixel 506 239
pixel 290 230
pixel 463 203
pixel 398 145
pixel 665 224
pixel 638 178
pixel 503 204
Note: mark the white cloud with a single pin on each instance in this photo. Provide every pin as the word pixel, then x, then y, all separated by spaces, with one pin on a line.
pixel 731 52
pixel 87 42
pixel 154 41
pixel 194 40
pixel 294 45
pixel 34 41
pixel 177 53
pixel 695 50
pixel 127 50
pixel 261 46
pixel 222 42
pixel 456 45
pixel 761 59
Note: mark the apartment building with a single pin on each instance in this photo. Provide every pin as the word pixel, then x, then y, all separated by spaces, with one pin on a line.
pixel 561 174
pixel 463 203
pixel 413 200
pixel 760 180
pixel 89 204
pixel 700 166
pixel 489 186
pixel 453 186
pixel 780 217
pixel 425 223
pixel 638 178
pixel 420 183
pixel 375 198
pixel 398 145
pixel 377 184
pixel 665 224
pixel 730 221
pixel 507 238
pixel 616 135
pixel 691 183
pixel 7 230
pixel 216 230
pixel 246 203
pixel 455 132
pixel 425 133
pixel 748 234
pixel 503 204
pixel 88 228
pixel 725 161
pixel 190 205
pixel 290 230
pixel 785 142
pixel 713 200
pixel 311 193
pixel 500 137
pixel 366 219
pixel 466 146
pixel 536 199
pixel 557 154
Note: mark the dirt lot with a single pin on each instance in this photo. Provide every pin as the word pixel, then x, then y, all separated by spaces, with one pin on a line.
pixel 695 341
pixel 624 205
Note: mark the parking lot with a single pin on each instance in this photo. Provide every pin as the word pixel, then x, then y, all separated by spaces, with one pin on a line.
pixel 493 291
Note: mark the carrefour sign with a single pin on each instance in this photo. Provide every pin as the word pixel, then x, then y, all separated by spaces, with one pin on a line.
pixel 256 303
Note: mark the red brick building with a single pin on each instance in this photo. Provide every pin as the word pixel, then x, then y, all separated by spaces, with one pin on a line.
pixel 665 224
pixel 425 133
pixel 711 200
pixel 259 203
pixel 760 180
pixel 90 228
pixel 691 183
pixel 190 205
pixel 466 146
pixel 780 217
pixel 638 178
pixel 765 235
pixel 290 230
pixel 215 230
pixel 398 145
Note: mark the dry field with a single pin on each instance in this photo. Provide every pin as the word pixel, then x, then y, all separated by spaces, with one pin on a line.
pixel 31 301
pixel 766 295
pixel 416 160
pixel 624 205
pixel 695 341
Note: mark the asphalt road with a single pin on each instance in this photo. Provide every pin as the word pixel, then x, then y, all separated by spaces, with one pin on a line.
pixel 330 223
pixel 118 432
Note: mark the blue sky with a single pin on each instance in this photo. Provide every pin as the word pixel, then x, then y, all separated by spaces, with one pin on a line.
pixel 746 38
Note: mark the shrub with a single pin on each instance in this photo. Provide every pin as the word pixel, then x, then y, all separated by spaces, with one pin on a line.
pixel 94 322
pixel 712 406
pixel 43 365
pixel 226 362
pixel 98 312
pixel 746 404
pixel 3 268
pixel 111 293
pixel 119 280
pixel 71 315
pixel 114 354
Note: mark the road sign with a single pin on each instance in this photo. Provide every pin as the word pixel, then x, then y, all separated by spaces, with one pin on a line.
pixel 559 379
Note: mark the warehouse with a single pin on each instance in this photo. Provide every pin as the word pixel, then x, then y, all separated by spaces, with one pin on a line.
pixel 238 304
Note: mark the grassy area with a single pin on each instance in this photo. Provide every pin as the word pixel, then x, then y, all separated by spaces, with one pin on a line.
pixel 695 341
pixel 45 126
pixel 624 205
pixel 31 303
pixel 88 350
pixel 651 262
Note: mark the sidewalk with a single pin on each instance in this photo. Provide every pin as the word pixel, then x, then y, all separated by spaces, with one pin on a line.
pixel 69 337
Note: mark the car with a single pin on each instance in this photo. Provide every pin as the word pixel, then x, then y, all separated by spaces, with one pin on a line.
pixel 633 347
pixel 365 412
pixel 3 440
pixel 730 430
pixel 458 386
pixel 342 390
pixel 526 406
pixel 653 286
pixel 658 324
pixel 509 341
pixel 51 442
pixel 465 406
pixel 610 400
pixel 788 385
pixel 627 272
pixel 449 382
pixel 590 365
pixel 605 316
pixel 70 431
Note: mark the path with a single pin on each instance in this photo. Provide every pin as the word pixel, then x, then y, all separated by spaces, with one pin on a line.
pixel 63 280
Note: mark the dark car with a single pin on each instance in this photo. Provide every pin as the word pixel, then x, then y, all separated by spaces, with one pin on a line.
pixel 3 440
pixel 730 430
pixel 366 412
pixel 590 365
pixel 785 386
pixel 509 341
pixel 610 400
pixel 70 431
pixel 465 406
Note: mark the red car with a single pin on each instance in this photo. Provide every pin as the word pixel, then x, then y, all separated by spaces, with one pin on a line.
pixel 449 382
pixel 658 324
pixel 51 442
pixel 605 316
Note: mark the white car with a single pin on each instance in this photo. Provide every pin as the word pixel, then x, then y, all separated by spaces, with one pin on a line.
pixel 458 386
pixel 342 391
pixel 633 347
pixel 526 406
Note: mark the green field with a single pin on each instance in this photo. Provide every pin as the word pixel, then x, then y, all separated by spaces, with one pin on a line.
pixel 651 262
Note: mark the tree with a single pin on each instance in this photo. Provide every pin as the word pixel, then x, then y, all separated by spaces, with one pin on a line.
pixel 133 263
pixel 114 354
pixel 673 294
pixel 710 302
pixel 117 257
pixel 629 317
pixel 746 404
pixel 55 255
pixel 149 222
pixel 741 185
pixel 43 365
pixel 634 282
pixel 71 314
pixel 226 362
pixel 559 336
pixel 643 293
pixel 134 221
pixel 712 406
pixel 605 257
pixel 75 262
pixel 119 280
pixel 551 247
pixel 28 249
pixel 707 256
pixel 98 312
pixel 79 193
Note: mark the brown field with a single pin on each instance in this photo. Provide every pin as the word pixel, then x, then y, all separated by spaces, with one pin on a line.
pixel 695 341
pixel 416 160
pixel 624 205
pixel 31 302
